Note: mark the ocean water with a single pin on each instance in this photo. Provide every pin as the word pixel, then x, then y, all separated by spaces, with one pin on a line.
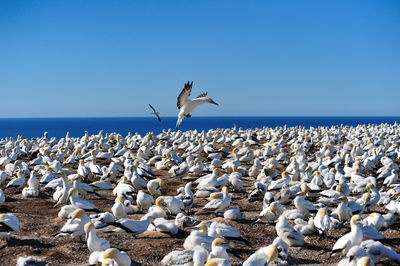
pixel 57 127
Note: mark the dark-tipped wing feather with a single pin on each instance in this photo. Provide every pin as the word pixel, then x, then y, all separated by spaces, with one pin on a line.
pixel 204 94
pixel 184 95
pixel 152 108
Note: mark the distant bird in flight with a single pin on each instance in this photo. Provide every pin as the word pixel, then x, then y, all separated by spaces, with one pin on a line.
pixel 186 106
pixel 155 112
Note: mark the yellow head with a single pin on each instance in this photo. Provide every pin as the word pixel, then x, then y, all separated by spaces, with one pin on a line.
pixel 370 186
pixel 356 219
pixel 120 197
pixel 78 213
pixel 217 242
pixel 272 252
pixel 272 207
pixel 160 201
pixel 111 253
pixel 203 227
pixel 322 212
pixel 215 195
pixel 365 261
pixel 88 227
pixel 367 196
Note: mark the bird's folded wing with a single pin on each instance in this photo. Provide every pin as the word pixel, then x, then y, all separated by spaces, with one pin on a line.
pixel 184 95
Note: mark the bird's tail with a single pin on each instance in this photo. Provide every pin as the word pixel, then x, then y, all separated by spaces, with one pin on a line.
pixel 180 118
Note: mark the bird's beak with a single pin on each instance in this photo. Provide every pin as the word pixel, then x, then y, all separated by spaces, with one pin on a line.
pixel 211 101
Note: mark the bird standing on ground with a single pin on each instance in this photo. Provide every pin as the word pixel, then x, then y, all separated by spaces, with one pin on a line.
pixel 186 106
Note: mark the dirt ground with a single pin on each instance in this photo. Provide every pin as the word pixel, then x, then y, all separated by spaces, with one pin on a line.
pixel 39 224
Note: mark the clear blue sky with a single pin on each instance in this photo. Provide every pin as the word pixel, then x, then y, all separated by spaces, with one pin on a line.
pixel 270 58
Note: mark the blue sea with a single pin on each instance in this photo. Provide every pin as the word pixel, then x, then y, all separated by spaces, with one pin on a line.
pixel 57 127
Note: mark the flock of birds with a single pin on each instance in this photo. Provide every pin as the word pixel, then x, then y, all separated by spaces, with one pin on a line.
pixel 310 181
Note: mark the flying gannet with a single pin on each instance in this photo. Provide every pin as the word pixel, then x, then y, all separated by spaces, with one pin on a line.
pixel 186 106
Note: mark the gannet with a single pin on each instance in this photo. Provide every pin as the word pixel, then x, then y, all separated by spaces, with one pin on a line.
pixel 376 250
pixel 18 181
pixel 195 256
pixel 79 202
pixel 9 224
pixel 262 256
pixel 154 187
pixel 118 209
pixel 120 257
pixel 302 204
pixel 157 114
pixel 199 237
pixel 134 227
pixel 186 106
pixel 188 196
pixel 304 227
pixel 219 204
pixel 218 249
pixel 342 213
pixel 75 225
pixel 183 221
pixel 144 201
pixel 234 213
pixel 163 225
pixel 288 233
pixel 351 239
pixel 82 169
pixel 172 204
pixel 271 213
pixel 322 221
pixel 94 243
pixel 216 229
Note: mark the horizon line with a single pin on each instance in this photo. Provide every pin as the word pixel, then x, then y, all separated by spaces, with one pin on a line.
pixel 261 116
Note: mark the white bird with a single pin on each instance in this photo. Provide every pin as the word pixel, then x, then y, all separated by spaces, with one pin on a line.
pixel 172 204
pixel 186 106
pixel 9 224
pixel 322 221
pixel 17 182
pixel 288 233
pixel 75 226
pixel 120 257
pixel 79 202
pixel 195 256
pixel 353 238
pixel 144 201
pixel 93 242
pixel 218 249
pixel 118 209
pixel 376 250
pixel 218 204
pixel 134 227
pixel 262 256
pixel 199 237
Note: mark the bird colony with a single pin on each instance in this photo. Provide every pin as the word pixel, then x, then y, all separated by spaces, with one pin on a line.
pixel 264 196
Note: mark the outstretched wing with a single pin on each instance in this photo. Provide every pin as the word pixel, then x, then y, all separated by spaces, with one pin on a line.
pixel 184 95
pixel 152 108
pixel 204 94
